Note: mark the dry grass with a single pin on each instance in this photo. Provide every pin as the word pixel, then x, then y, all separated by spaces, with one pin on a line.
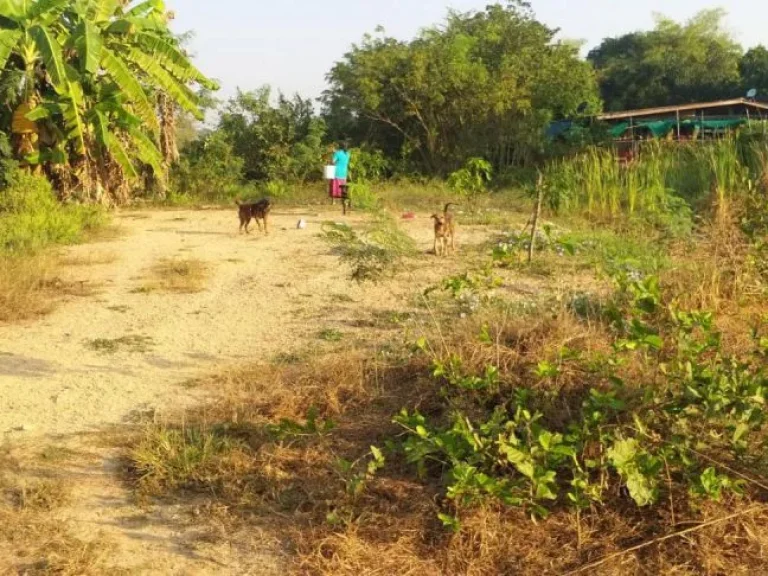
pixel 89 259
pixel 34 538
pixel 234 448
pixel 31 287
pixel 133 343
pixel 23 287
pixel 180 276
pixel 252 455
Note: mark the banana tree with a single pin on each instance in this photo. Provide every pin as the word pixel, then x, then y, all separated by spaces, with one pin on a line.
pixel 94 72
pixel 27 37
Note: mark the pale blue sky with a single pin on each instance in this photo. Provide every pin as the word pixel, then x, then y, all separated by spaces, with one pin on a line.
pixel 291 44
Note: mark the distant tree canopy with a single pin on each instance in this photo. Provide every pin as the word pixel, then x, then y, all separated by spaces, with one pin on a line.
pixel 671 64
pixel 754 70
pixel 282 141
pixel 484 84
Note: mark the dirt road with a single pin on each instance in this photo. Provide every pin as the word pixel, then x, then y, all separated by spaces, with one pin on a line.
pixel 126 351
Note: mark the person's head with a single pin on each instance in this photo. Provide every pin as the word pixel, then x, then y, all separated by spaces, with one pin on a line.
pixel 344 145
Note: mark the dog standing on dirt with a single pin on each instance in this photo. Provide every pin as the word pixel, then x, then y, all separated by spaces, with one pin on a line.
pixel 445 231
pixel 254 211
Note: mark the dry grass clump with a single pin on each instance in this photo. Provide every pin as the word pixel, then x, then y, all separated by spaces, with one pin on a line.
pixel 180 276
pixel 133 343
pixel 23 287
pixel 34 538
pixel 30 287
pixel 89 259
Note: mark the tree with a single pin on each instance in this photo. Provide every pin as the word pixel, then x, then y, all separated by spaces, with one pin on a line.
pixel 277 142
pixel 754 70
pixel 483 85
pixel 98 80
pixel 209 169
pixel 672 64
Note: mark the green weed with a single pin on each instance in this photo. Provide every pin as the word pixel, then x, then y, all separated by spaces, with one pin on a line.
pixel 331 335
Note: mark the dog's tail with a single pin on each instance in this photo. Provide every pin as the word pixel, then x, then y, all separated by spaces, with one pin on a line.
pixel 447 207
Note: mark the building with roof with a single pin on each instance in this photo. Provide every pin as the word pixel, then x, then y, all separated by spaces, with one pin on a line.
pixel 685 122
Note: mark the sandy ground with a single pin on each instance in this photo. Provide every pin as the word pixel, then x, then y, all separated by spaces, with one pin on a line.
pixel 266 296
pixel 262 290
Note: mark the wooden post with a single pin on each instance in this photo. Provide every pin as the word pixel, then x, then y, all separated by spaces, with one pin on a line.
pixel 536 214
pixel 677 112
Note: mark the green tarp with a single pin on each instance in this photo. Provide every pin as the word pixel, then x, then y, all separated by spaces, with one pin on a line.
pixel 660 128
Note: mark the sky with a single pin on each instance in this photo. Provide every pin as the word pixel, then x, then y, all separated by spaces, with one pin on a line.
pixel 292 44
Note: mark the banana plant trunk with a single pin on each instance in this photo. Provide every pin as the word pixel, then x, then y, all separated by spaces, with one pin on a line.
pixel 25 133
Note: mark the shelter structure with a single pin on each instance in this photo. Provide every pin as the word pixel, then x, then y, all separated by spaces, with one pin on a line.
pixel 685 122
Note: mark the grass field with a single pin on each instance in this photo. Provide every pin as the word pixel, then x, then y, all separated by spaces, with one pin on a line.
pixel 598 410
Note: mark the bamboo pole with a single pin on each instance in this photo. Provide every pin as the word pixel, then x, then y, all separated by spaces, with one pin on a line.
pixel 536 214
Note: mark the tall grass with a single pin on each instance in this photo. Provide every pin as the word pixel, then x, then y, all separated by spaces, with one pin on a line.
pixel 32 219
pixel 597 184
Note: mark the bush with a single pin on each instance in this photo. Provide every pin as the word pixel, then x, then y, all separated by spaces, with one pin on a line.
pixel 374 255
pixel 363 197
pixel 369 165
pixel 209 170
pixel 31 217
pixel 473 179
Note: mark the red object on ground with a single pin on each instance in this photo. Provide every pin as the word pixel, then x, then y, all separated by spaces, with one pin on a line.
pixel 409 216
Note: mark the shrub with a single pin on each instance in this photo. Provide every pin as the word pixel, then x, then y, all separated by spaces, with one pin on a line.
pixel 363 196
pixel 473 179
pixel 368 165
pixel 374 255
pixel 649 433
pixel 209 170
pixel 31 217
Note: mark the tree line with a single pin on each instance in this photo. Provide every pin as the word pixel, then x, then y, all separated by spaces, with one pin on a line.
pixel 485 85
pixel 99 95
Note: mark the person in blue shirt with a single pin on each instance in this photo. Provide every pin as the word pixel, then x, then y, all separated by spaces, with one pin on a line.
pixel 340 160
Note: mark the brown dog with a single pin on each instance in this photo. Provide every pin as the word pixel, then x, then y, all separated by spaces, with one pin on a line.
pixel 254 211
pixel 445 232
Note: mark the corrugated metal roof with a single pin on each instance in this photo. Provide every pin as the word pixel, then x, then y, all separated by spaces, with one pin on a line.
pixel 684 108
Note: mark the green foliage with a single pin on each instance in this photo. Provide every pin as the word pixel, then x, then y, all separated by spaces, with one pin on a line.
pixel 368 165
pixel 375 254
pixel 89 73
pixel 276 142
pixel 484 84
pixel 754 70
pixel 519 446
pixel 181 458
pixel 357 475
pixel 363 197
pixel 663 186
pixel 510 249
pixel 331 335
pixel 314 426
pixel 672 64
pixel 473 179
pixel 31 218
pixel 208 170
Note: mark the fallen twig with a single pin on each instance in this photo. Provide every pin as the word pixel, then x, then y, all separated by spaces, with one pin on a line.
pixel 679 534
